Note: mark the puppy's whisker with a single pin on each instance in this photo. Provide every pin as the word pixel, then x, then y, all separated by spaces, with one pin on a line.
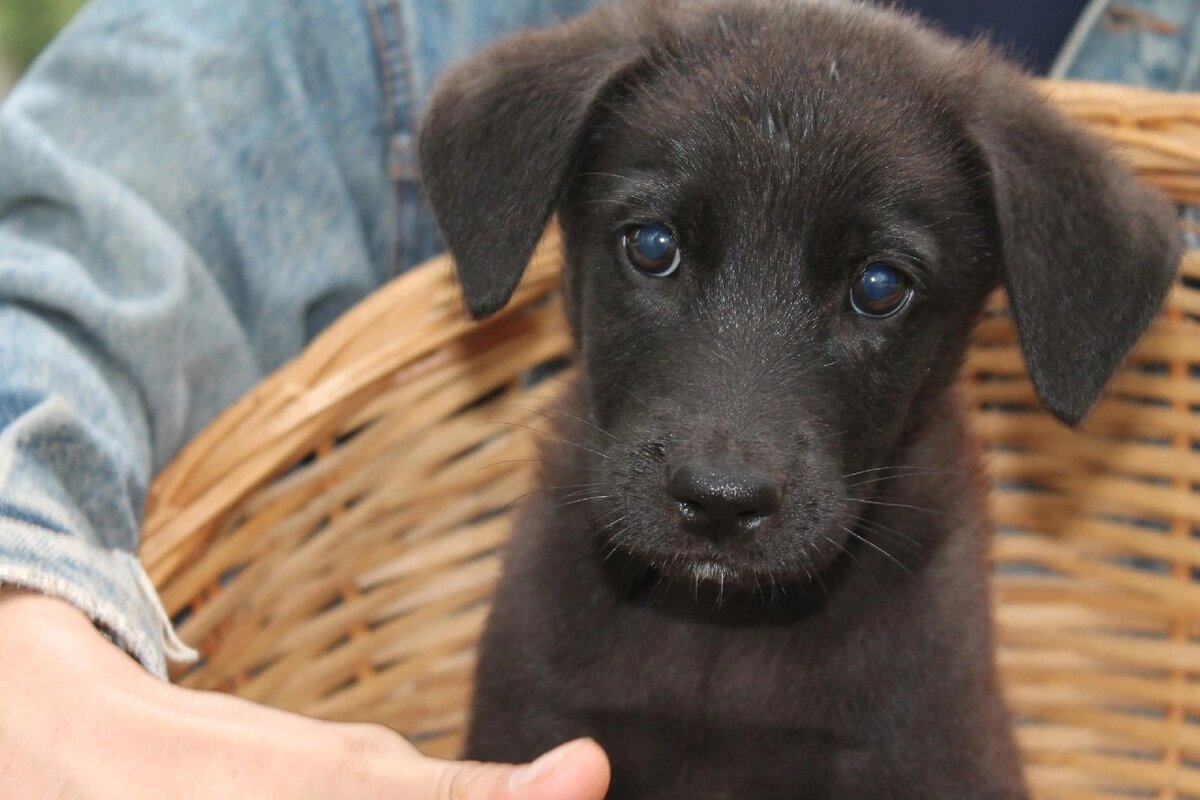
pixel 664 574
pixel 874 523
pixel 924 509
pixel 853 557
pixel 611 550
pixel 891 534
pixel 879 549
pixel 629 392
pixel 581 500
pixel 885 478
pixel 612 538
pixel 883 469
pixel 805 557
pixel 591 471
pixel 501 462
pixel 546 413
pixel 615 542
pixel 913 473
pixel 833 435
pixel 862 518
pixel 563 486
pixel 841 548
pixel 617 514
pixel 580 492
pixel 508 461
pixel 548 435
pixel 619 177
pixel 608 525
pixel 582 487
pixel 816 574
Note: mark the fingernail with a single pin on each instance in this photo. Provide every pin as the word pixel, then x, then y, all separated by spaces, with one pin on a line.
pixel 544 767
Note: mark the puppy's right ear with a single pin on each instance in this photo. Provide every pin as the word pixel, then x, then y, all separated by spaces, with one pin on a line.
pixel 499 139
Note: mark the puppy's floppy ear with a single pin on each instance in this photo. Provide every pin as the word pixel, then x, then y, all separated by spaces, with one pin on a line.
pixel 1087 253
pixel 500 136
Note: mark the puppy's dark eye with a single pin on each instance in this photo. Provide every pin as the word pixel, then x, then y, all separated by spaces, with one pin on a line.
pixel 880 291
pixel 652 249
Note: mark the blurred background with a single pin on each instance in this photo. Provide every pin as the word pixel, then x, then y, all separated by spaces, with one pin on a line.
pixel 1030 30
pixel 25 27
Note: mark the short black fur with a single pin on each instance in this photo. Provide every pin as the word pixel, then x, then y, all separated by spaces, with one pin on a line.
pixel 840 645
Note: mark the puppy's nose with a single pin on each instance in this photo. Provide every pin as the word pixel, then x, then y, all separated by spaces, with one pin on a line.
pixel 722 501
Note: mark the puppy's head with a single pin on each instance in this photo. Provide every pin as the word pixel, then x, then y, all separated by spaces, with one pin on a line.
pixel 782 220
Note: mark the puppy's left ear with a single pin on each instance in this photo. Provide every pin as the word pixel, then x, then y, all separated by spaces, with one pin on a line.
pixel 1087 253
pixel 500 136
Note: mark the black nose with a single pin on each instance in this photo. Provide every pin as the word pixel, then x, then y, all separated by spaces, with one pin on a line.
pixel 723 501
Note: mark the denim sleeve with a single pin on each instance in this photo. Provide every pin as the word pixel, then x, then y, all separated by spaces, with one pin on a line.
pixel 1150 43
pixel 190 190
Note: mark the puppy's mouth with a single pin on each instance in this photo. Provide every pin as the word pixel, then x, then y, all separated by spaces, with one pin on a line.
pixel 710 569
pixel 729 576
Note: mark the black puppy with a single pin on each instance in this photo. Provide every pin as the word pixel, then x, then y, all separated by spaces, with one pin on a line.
pixel 757 568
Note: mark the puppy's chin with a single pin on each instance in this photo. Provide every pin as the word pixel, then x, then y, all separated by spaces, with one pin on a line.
pixel 708 576
pixel 709 571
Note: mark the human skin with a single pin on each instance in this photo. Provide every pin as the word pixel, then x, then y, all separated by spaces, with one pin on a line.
pixel 80 719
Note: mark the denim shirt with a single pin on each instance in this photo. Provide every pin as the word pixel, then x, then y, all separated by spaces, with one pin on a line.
pixel 191 190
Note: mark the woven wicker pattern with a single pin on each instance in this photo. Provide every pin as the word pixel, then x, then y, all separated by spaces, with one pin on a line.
pixel 331 541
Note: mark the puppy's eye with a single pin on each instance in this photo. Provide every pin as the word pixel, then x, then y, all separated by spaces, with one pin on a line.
pixel 880 291
pixel 652 249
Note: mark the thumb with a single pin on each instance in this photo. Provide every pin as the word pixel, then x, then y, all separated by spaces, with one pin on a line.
pixel 574 771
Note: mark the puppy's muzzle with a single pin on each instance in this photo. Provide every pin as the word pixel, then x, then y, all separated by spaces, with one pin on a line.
pixel 722 503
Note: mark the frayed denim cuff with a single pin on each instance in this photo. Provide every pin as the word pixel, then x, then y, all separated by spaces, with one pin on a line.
pixel 110 586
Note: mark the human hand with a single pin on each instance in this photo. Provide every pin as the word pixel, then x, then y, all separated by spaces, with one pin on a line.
pixel 81 719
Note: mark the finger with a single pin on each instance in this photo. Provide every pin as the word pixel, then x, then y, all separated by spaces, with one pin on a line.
pixel 578 770
pixel 575 771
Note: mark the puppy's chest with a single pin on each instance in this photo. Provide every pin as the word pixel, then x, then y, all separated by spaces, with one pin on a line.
pixel 702 683
pixel 713 714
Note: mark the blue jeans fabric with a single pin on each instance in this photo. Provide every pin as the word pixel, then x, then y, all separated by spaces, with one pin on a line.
pixel 1150 43
pixel 190 191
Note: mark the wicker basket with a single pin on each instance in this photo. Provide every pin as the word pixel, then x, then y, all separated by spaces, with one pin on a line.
pixel 330 542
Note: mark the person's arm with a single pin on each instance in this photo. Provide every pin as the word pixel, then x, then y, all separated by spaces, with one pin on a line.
pixel 188 191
